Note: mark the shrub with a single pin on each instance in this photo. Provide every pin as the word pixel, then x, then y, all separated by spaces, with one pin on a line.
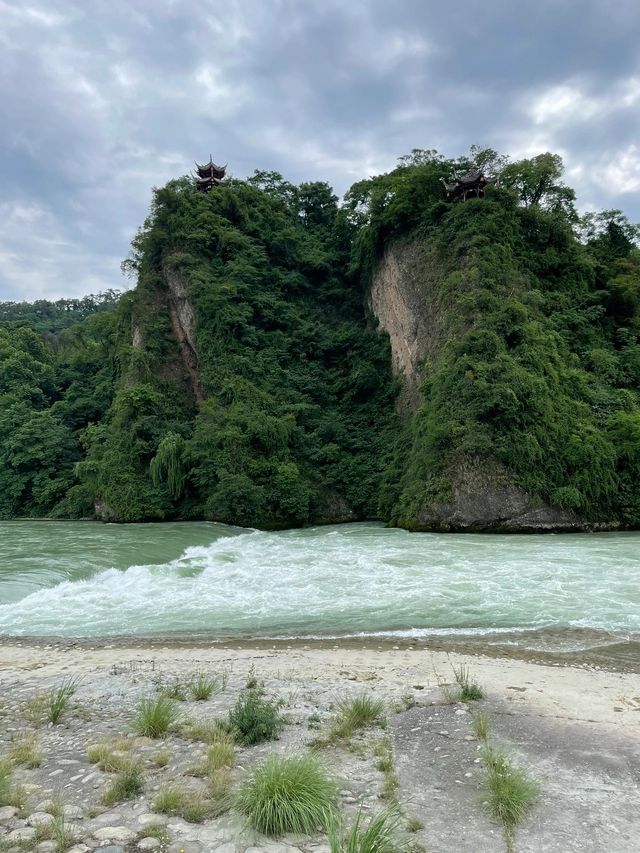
pixel 155 716
pixel 288 795
pixel 255 719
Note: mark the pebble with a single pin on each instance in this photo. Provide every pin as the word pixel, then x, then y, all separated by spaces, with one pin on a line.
pixel 114 833
pixel 73 813
pixel 47 847
pixel 461 711
pixel 39 819
pixel 150 819
pixel 185 847
pixel 24 834
pixel 148 844
pixel 110 848
pixel 7 812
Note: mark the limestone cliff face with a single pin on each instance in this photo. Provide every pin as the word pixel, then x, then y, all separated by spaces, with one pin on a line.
pixel 183 322
pixel 404 299
pixel 407 298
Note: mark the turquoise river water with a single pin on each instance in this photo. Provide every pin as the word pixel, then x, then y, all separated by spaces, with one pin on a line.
pixel 85 579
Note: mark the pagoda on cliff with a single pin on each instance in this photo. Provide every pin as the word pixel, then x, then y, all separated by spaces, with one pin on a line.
pixel 470 184
pixel 209 176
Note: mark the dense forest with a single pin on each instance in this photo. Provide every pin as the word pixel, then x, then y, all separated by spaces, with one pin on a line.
pixel 245 379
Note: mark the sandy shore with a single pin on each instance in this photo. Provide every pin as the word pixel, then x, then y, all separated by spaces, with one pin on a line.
pixel 575 729
pixel 587 695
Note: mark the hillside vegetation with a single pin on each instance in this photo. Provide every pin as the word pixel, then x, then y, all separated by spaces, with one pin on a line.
pixel 243 379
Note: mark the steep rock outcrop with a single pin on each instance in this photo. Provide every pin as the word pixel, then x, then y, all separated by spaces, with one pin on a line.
pixel 183 322
pixel 407 298
pixel 404 298
pixel 485 498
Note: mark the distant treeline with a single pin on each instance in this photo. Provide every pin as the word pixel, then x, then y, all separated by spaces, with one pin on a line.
pixel 52 316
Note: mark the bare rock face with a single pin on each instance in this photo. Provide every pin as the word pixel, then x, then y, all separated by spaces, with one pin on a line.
pixel 183 321
pixel 483 497
pixel 404 298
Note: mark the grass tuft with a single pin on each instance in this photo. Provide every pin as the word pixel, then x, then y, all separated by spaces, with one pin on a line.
pixel 255 719
pixel 63 834
pixel 127 784
pixel 161 759
pixel 26 752
pixel 110 757
pixel 510 793
pixel 358 713
pixel 470 691
pixel 156 830
pixel 480 726
pixel 288 795
pixel 175 689
pixel 380 835
pixel 206 731
pixel 202 686
pixel 11 793
pixel 58 699
pixel 170 800
pixel 155 716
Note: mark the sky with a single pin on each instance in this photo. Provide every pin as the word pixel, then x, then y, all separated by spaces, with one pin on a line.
pixel 100 101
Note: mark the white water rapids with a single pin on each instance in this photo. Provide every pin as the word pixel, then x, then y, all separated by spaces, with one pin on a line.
pixel 79 579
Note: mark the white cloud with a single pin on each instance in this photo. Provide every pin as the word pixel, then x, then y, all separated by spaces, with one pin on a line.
pixel 570 103
pixel 621 174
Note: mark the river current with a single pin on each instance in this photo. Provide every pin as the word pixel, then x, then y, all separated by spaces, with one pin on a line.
pixel 85 579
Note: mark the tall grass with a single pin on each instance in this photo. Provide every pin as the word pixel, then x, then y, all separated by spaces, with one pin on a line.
pixel 127 784
pixel 358 713
pixel 11 793
pixel 155 716
pixel 203 686
pixel 380 835
pixel 510 793
pixel 26 752
pixel 470 691
pixel 288 795
pixel 58 699
pixel 480 726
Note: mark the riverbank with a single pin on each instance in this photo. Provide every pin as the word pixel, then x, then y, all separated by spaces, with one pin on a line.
pixel 573 729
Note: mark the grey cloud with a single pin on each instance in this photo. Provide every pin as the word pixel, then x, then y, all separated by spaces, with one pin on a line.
pixel 101 101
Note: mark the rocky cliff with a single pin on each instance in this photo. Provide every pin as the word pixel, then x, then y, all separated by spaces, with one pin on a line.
pixel 475 491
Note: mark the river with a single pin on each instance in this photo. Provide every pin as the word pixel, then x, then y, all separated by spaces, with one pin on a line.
pixel 85 579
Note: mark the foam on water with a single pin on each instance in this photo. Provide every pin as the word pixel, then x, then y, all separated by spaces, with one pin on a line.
pixel 348 580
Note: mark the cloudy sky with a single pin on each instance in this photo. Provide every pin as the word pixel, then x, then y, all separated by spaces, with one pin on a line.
pixel 101 100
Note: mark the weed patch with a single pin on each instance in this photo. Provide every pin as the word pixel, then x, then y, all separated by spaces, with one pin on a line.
pixel 255 719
